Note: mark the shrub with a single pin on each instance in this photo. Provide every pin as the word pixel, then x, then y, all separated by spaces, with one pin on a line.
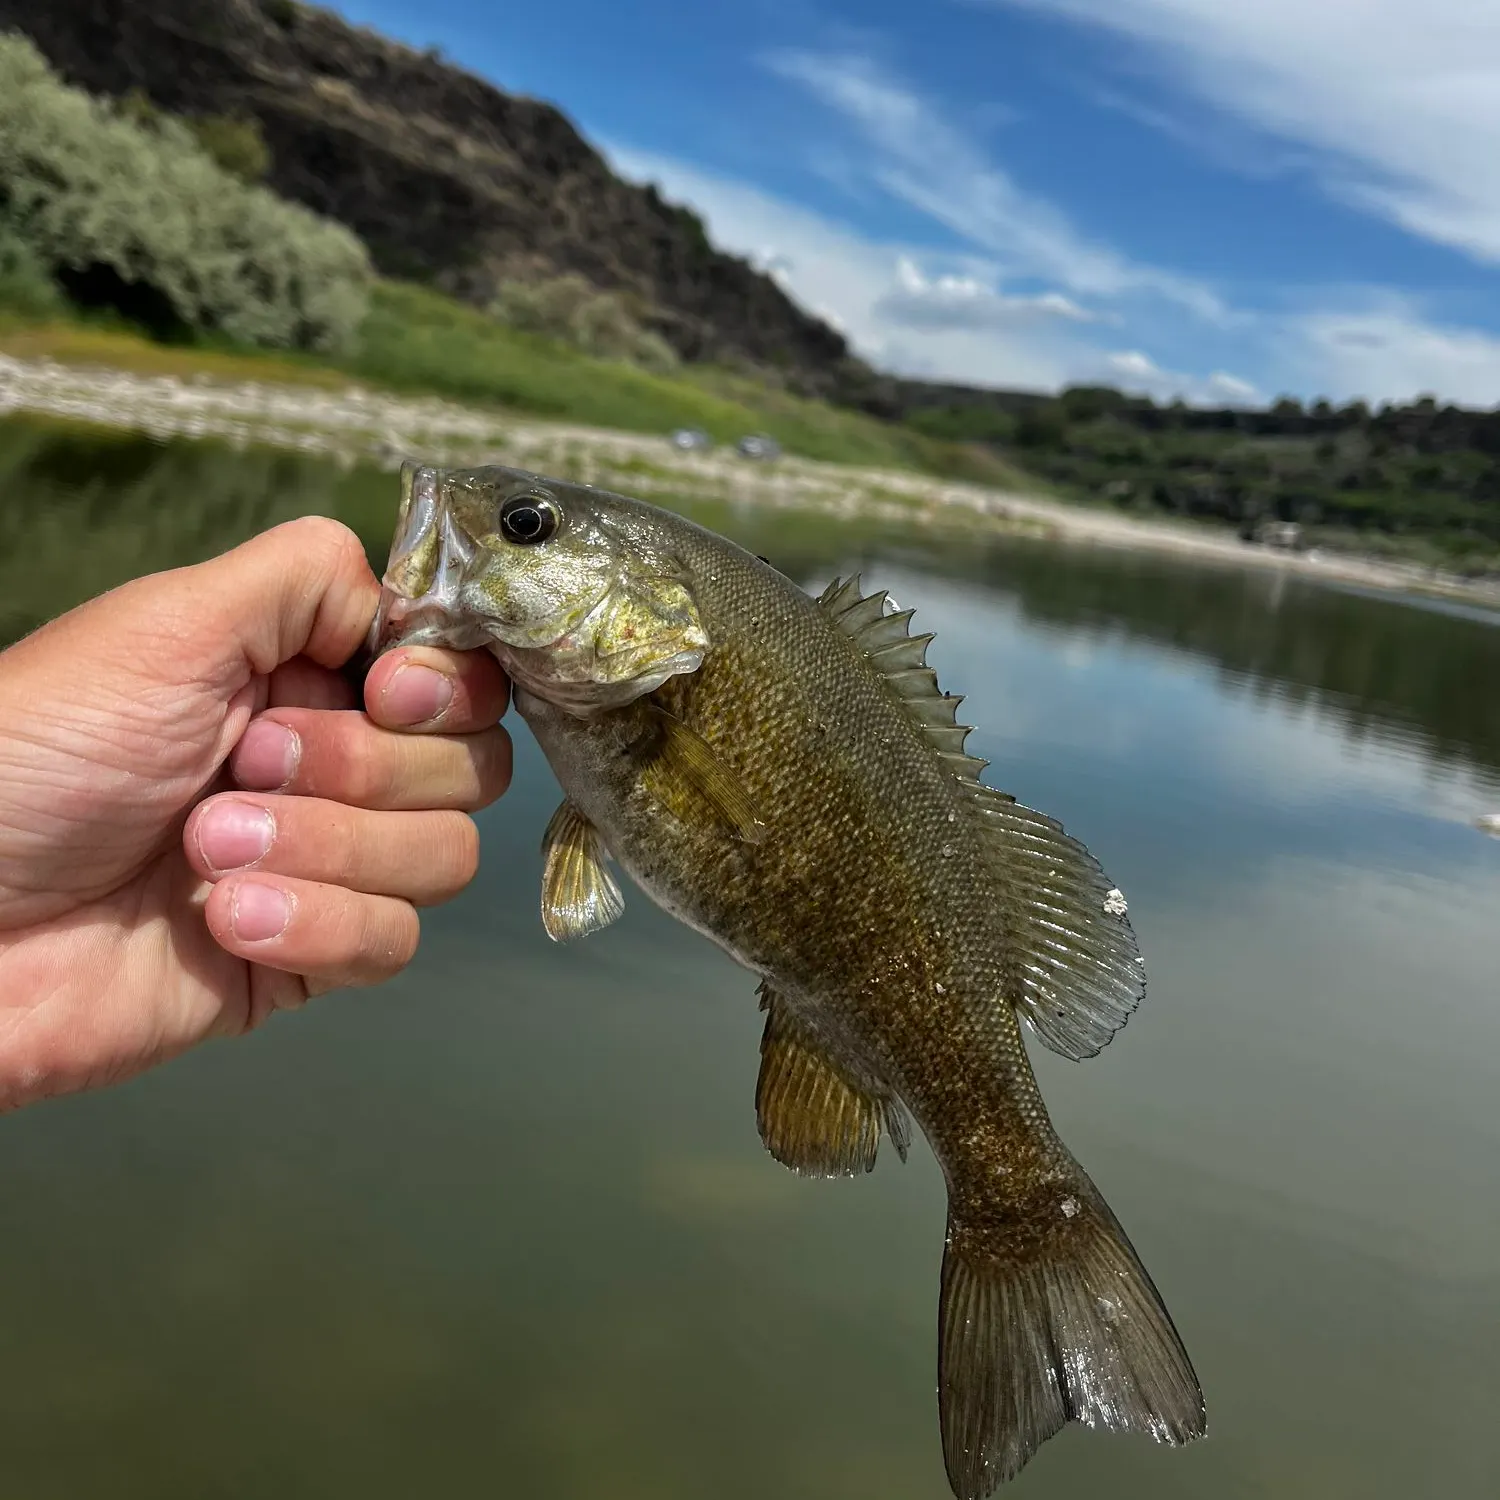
pixel 235 142
pixel 25 286
pixel 127 200
pixel 570 309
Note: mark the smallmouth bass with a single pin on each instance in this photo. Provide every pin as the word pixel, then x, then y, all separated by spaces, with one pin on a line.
pixel 784 775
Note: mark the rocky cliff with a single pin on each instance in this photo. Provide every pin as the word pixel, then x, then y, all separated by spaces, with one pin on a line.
pixel 446 178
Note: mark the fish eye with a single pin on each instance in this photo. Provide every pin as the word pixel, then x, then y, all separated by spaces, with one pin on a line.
pixel 528 519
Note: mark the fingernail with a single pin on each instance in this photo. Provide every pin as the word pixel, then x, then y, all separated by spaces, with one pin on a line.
pixel 415 695
pixel 266 757
pixel 232 835
pixel 258 912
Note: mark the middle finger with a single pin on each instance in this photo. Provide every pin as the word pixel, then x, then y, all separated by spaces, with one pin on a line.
pixel 346 758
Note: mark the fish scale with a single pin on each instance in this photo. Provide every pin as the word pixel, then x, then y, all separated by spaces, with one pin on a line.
pixel 784 775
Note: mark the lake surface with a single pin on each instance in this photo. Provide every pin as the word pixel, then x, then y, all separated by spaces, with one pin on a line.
pixel 504 1226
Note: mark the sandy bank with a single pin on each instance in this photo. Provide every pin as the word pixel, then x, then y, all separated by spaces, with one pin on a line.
pixel 364 425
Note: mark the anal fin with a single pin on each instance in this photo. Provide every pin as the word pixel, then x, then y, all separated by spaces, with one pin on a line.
pixel 811 1118
pixel 579 895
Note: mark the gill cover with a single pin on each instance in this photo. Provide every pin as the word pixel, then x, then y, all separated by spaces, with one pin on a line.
pixel 586 612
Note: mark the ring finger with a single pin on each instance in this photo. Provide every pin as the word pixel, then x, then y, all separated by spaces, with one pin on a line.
pixel 421 857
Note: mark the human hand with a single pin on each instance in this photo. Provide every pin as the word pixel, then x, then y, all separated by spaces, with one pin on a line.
pixel 195 828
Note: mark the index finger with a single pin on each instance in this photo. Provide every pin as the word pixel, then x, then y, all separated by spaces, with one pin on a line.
pixel 424 689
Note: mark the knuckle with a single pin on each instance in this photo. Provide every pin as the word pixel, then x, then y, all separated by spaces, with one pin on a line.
pixel 391 938
pixel 371 776
pixel 457 854
pixel 456 779
pixel 342 847
pixel 377 938
pixel 326 538
pixel 468 849
pixel 492 754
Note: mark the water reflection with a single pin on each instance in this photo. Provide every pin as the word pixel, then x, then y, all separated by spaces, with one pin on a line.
pixel 83 511
pixel 504 1225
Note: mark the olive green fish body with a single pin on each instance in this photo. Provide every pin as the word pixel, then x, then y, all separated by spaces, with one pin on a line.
pixel 783 775
pixel 868 900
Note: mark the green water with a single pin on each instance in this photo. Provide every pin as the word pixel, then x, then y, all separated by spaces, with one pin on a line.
pixel 504 1227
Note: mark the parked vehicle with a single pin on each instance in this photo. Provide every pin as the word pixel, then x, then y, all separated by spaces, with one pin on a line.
pixel 758 446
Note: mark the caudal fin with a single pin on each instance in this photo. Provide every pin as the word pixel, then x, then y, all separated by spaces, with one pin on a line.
pixel 1034 1333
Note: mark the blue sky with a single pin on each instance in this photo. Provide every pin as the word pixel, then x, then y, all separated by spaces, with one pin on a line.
pixel 1219 200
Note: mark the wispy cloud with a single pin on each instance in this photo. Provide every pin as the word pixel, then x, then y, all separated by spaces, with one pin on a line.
pixel 909 314
pixel 1399 103
pixel 1027 300
pixel 921 158
pixel 969 303
pixel 901 306
pixel 1131 370
pixel 1389 351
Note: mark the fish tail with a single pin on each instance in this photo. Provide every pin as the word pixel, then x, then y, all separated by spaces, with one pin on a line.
pixel 1036 1330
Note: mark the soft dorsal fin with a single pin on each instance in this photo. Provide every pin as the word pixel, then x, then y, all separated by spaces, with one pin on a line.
pixel 882 632
pixel 1076 974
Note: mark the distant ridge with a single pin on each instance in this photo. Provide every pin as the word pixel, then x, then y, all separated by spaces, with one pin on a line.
pixel 446 178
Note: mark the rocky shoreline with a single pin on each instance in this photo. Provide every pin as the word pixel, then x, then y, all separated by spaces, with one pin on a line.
pixel 356 424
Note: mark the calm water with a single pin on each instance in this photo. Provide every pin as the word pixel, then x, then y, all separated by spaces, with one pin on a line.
pixel 505 1227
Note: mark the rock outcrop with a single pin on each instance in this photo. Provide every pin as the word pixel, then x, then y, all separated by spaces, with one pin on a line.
pixel 445 177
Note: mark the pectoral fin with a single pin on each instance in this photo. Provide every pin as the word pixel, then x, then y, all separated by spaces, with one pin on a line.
pixel 811 1118
pixel 686 772
pixel 579 895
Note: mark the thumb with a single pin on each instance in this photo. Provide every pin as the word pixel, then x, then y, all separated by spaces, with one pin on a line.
pixel 304 588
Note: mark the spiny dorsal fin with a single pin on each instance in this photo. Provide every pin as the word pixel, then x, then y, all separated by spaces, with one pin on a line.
pixel 811 1118
pixel 1077 973
pixel 882 632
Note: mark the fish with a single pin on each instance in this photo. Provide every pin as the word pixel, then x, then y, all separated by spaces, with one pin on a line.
pixel 784 775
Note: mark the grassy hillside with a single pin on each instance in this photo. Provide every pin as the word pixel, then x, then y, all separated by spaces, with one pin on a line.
pixel 415 340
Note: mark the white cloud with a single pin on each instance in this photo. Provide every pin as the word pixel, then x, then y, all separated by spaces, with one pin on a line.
pixel 1231 389
pixel 1390 352
pixel 924 161
pixel 1131 370
pixel 1131 364
pixel 952 317
pixel 897 314
pixel 1400 101
pixel 968 303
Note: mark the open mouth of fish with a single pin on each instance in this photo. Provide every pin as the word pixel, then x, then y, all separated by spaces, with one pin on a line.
pixel 419 592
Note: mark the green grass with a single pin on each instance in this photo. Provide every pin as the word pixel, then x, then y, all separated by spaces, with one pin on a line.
pixel 77 341
pixel 416 341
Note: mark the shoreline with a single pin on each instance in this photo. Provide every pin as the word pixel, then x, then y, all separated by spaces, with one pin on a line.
pixel 358 424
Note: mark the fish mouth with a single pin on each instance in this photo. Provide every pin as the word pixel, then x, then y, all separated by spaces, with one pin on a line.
pixel 602 650
pixel 419 592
